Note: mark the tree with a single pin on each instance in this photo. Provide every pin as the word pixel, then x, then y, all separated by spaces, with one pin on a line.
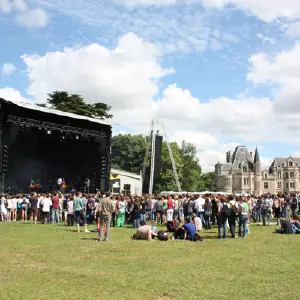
pixel 128 152
pixel 207 182
pixel 191 171
pixel 75 104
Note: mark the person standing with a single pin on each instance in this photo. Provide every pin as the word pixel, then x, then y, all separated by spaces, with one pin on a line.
pixel 3 210
pixel 46 204
pixel 55 209
pixel 79 213
pixel 105 209
pixel 243 217
pixel 223 212
pixel 121 212
pixel 170 209
pixel 33 200
pixel 233 212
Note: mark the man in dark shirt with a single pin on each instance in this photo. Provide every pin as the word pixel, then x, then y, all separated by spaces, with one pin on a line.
pixel 33 200
pixel 55 209
pixel 189 230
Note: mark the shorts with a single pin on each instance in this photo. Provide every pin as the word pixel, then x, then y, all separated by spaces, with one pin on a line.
pixel 34 211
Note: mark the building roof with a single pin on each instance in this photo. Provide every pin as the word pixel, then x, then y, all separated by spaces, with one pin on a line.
pixel 256 156
pixel 127 174
pixel 278 161
pixel 56 112
pixel 240 154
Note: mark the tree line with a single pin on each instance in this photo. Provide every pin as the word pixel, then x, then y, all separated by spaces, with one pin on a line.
pixel 128 151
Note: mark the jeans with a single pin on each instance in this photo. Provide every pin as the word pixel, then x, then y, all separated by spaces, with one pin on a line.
pixel 70 219
pixel 160 216
pixel 180 212
pixel 222 225
pixel 243 222
pixel 258 214
pixel 154 229
pixel 136 223
pixel 150 215
pixel 207 221
pixel 79 214
pixel 200 214
pixel 169 215
pixel 266 215
pixel 232 222
pixel 143 217
pixel 55 215
pixel 113 219
pixel 214 213
pixel 105 220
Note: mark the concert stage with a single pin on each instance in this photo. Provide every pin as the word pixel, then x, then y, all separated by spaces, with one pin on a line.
pixel 45 144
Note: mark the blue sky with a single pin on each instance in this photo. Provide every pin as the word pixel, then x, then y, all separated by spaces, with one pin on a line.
pixel 216 72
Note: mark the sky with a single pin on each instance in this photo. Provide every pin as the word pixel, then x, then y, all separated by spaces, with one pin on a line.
pixel 216 73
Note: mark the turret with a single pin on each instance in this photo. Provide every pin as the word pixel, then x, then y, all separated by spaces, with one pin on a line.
pixel 257 173
pixel 256 163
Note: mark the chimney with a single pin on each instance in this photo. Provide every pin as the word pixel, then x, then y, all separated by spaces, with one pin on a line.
pixel 228 157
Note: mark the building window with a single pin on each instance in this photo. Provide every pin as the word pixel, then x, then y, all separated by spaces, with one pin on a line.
pixel 279 174
pixel 279 185
pixel 247 181
pixel 127 188
pixel 245 169
pixel 292 174
pixel 287 185
pixel 244 181
pixel 286 174
pixel 290 164
pixel 292 185
pixel 266 176
pixel 266 185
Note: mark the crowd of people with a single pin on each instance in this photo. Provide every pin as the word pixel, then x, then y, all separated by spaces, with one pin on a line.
pixel 184 215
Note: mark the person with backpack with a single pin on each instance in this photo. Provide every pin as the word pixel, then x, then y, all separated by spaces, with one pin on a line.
pixel 222 216
pixel 233 213
pixel 207 212
pixel 243 217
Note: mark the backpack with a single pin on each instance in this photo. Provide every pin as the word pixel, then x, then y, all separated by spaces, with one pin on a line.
pixel 287 228
pixel 19 205
pixel 234 211
pixel 225 210
pixel 162 236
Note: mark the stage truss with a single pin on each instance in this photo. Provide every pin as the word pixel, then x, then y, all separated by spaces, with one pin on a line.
pixel 56 127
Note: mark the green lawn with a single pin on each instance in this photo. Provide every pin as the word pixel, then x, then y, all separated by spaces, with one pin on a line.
pixel 54 262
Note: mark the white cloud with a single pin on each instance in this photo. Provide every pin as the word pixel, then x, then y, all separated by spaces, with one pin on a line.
pixel 294 29
pixel 8 69
pixel 125 77
pixel 33 18
pixel 25 16
pixel 261 8
pixel 266 39
pixel 13 95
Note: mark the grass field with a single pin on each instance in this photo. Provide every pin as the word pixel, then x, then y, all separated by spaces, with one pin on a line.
pixel 54 262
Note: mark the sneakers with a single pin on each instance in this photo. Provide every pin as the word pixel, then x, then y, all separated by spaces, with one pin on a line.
pixel 86 230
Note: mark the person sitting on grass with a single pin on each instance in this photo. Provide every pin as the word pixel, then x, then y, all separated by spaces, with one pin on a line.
pixel 145 232
pixel 197 222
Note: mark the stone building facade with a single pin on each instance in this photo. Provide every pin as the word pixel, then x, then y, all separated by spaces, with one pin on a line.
pixel 242 173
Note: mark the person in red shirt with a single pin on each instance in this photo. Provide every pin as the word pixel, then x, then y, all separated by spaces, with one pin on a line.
pixel 55 209
pixel 170 209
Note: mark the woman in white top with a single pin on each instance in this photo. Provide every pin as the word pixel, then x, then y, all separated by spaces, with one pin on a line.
pixel 9 208
pixel 3 210
pixel 45 204
pixel 14 208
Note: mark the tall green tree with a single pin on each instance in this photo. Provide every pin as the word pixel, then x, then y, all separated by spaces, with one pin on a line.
pixel 191 170
pixel 75 104
pixel 128 152
pixel 207 182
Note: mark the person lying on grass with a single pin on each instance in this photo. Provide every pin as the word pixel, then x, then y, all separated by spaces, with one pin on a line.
pixel 145 232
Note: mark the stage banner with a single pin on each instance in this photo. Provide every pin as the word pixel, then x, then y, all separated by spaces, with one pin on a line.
pixel 114 180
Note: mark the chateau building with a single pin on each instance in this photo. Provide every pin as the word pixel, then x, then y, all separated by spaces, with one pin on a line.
pixel 242 173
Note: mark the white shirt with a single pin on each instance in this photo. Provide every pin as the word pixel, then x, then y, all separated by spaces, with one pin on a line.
pixel 9 203
pixel 199 204
pixel 14 203
pixel 59 181
pixel 46 203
